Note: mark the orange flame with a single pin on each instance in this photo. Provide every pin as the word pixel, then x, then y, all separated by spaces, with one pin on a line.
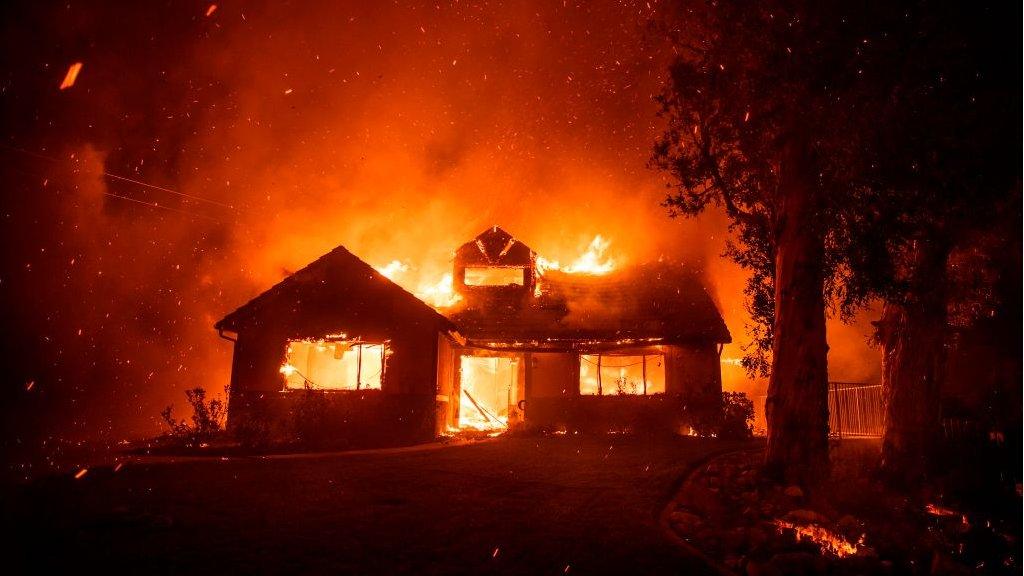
pixel 71 76
pixel 393 269
pixel 593 261
pixel 826 539
pixel 440 294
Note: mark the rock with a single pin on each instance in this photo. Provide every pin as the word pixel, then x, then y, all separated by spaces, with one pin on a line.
pixel 684 521
pixel 794 491
pixel 850 526
pixel 799 564
pixel 758 537
pixel 944 564
pixel 805 517
pixel 760 568
pixel 734 539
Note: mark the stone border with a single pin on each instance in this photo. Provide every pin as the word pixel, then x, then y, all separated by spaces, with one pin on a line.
pixel 664 518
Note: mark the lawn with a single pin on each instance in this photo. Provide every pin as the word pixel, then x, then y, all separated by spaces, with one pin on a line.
pixel 527 505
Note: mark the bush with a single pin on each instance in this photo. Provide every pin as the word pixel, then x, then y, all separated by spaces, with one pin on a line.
pixel 309 418
pixel 256 430
pixel 737 416
pixel 731 419
pixel 207 419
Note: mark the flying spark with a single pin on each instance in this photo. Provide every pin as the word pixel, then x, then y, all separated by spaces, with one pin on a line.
pixel 71 76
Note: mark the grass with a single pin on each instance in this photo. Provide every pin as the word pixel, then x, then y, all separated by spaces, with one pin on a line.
pixel 544 503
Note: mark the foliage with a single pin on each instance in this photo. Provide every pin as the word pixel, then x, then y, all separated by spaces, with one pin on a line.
pixel 206 422
pixel 309 417
pixel 256 429
pixel 748 81
pixel 731 419
pixel 907 108
pixel 941 154
pixel 737 416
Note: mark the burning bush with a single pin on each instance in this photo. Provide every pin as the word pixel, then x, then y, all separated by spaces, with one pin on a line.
pixel 207 419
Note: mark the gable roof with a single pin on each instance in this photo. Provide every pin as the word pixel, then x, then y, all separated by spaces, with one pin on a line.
pixel 494 247
pixel 335 290
pixel 653 301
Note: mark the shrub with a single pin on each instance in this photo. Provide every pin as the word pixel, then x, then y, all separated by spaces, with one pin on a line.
pixel 737 416
pixel 207 419
pixel 309 418
pixel 731 419
pixel 256 430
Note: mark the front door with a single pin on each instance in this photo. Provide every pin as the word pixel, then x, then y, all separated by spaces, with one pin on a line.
pixel 490 389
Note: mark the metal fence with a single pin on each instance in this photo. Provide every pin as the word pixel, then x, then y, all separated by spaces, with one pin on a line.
pixel 854 409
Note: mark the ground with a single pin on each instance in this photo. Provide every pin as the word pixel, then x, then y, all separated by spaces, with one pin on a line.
pixel 528 505
pixel 852 522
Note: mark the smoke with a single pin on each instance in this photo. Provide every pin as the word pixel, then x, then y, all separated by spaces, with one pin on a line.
pixel 397 131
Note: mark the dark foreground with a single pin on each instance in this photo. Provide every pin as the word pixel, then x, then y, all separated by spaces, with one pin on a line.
pixel 548 505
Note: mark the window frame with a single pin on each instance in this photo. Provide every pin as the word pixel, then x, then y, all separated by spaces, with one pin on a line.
pixel 645 380
pixel 287 369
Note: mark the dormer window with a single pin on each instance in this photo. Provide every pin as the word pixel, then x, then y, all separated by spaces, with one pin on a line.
pixel 494 268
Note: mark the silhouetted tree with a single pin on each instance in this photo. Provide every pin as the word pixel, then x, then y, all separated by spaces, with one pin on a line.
pixel 778 112
pixel 942 162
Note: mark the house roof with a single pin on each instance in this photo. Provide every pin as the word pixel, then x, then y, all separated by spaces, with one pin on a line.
pixel 658 301
pixel 338 289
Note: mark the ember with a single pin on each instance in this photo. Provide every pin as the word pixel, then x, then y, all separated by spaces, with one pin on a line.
pixel 71 76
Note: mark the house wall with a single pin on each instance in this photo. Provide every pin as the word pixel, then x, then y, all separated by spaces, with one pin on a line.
pixel 447 397
pixel 694 372
pixel 693 386
pixel 403 410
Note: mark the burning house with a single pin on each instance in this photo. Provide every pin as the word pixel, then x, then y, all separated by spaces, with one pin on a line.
pixel 522 344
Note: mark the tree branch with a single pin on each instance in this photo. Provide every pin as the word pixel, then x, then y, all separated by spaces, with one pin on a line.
pixel 703 143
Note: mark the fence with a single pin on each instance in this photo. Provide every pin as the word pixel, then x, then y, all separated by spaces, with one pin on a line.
pixel 854 409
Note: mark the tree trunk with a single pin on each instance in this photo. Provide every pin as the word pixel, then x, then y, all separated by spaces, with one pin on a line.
pixel 913 338
pixel 797 405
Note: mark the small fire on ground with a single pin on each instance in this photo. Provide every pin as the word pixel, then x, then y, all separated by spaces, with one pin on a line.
pixel 826 539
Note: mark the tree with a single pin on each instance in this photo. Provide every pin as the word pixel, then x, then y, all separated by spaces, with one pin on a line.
pixel 767 116
pixel 944 160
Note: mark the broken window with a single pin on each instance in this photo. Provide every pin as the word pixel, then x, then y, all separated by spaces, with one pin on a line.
pixel 494 276
pixel 607 374
pixel 334 365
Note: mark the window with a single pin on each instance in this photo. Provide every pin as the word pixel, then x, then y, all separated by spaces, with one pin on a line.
pixel 606 374
pixel 334 365
pixel 494 276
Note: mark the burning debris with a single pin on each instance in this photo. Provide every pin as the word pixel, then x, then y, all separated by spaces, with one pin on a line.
pixel 824 538
pixel 71 76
